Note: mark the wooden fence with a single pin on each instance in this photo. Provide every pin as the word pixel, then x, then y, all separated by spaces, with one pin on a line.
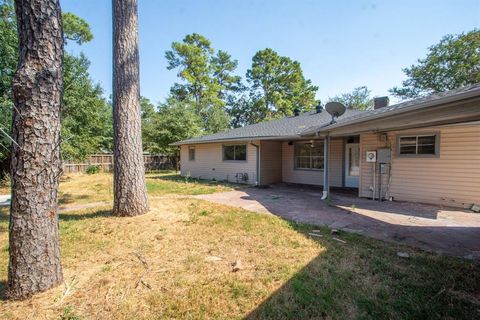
pixel 104 162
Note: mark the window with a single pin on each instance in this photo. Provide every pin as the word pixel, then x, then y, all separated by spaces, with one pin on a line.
pixel 353 161
pixel 309 156
pixel 235 152
pixel 418 145
pixel 191 153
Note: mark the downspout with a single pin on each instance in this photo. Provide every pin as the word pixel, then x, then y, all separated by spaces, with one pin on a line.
pixel 257 168
pixel 326 154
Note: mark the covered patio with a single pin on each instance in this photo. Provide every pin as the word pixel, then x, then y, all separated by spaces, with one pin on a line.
pixel 438 229
pixel 317 161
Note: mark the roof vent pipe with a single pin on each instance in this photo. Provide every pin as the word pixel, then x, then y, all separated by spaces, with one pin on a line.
pixel 319 108
pixel 380 102
pixel 296 112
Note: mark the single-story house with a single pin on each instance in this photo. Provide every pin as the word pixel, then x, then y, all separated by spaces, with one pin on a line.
pixel 425 150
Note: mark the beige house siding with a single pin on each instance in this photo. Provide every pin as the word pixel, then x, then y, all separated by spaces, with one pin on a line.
pixel 337 151
pixel 276 164
pixel 451 179
pixel 368 142
pixel 291 175
pixel 270 162
pixel 209 164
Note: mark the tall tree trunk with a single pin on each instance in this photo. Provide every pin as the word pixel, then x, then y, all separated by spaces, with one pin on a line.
pixel 130 194
pixel 36 166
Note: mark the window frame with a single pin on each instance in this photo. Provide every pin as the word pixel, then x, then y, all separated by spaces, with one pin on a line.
pixel 234 145
pixel 194 153
pixel 297 144
pixel 416 136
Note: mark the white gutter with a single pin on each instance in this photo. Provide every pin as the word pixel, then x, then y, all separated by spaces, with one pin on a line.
pixel 326 168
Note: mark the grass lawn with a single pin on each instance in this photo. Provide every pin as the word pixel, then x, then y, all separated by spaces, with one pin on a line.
pixel 176 262
pixel 84 189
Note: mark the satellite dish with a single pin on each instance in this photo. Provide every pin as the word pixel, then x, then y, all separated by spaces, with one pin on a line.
pixel 335 109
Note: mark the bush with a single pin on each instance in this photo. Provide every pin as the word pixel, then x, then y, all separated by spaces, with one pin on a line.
pixel 93 169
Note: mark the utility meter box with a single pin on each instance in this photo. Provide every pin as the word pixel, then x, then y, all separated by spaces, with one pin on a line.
pixel 371 156
pixel 384 155
pixel 383 168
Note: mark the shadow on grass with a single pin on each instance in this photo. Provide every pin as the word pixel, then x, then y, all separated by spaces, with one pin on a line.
pixel 83 216
pixel 179 178
pixel 364 278
pixel 4 216
pixel 389 220
pixel 68 198
pixel 3 290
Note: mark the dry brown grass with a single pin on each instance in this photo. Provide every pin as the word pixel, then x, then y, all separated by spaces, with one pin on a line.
pixel 159 266
pixel 4 187
pixel 158 263
pixel 78 189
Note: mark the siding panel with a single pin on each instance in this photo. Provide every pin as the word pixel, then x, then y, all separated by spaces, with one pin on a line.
pixel 290 175
pixel 451 179
pixel 270 162
pixel 209 164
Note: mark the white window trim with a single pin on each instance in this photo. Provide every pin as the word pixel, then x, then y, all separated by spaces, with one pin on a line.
pixel 416 135
pixel 194 153
pixel 308 169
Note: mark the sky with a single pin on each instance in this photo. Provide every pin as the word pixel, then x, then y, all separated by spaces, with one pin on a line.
pixel 341 45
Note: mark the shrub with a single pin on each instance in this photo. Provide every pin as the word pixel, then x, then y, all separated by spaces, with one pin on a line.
pixel 93 169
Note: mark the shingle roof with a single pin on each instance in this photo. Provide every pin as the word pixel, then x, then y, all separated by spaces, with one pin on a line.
pixel 427 101
pixel 284 127
pixel 311 122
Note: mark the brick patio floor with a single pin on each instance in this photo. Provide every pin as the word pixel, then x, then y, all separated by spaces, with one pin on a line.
pixel 442 230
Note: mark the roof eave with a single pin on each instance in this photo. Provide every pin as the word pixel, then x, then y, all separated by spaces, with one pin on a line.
pixel 421 105
pixel 186 142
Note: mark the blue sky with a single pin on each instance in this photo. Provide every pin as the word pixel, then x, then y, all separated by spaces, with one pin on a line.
pixel 340 44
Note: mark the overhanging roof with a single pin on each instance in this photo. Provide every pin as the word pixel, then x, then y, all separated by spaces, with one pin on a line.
pixel 284 128
pixel 312 123
pixel 408 107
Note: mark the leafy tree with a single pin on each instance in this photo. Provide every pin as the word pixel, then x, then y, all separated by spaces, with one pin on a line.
pixel 192 58
pixel 8 49
pixel 452 63
pixel 8 65
pixel 175 120
pixel 223 68
pixel 86 116
pixel 207 78
pixel 244 111
pixel 147 109
pixel 216 120
pixel 358 99
pixel 76 29
pixel 148 113
pixel 278 86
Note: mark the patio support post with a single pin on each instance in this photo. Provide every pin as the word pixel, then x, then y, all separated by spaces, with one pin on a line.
pixel 326 161
pixel 257 167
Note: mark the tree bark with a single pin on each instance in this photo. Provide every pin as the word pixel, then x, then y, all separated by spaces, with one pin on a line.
pixel 34 263
pixel 130 194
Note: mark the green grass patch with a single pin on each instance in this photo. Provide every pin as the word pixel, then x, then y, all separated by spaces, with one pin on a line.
pixel 172 183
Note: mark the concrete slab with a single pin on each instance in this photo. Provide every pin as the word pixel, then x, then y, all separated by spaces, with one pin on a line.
pixel 439 229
